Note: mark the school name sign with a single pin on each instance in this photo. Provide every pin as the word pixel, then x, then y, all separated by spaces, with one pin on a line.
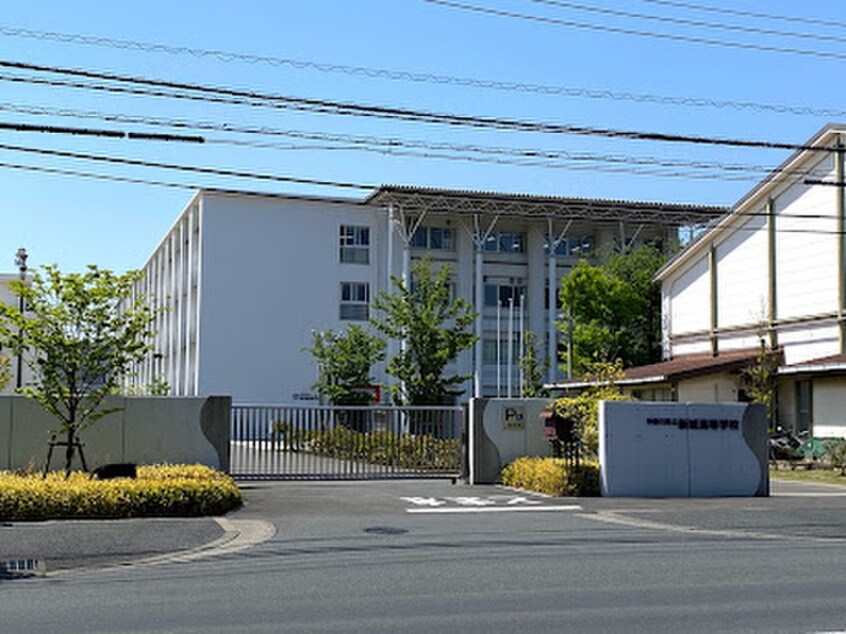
pixel 682 449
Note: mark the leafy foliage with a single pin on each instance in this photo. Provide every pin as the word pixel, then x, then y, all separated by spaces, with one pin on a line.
pixel 616 308
pixel 583 409
pixel 532 366
pixel 761 378
pixel 161 490
pixel 836 455
pixel 434 329
pixel 344 361
pixel 420 452
pixel 552 477
pixel 5 371
pixel 84 331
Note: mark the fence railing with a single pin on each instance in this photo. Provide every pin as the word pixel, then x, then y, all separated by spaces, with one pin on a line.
pixel 346 442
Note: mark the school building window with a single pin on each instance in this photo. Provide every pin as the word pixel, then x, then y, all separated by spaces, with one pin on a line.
pixel 435 238
pixel 355 244
pixel 355 301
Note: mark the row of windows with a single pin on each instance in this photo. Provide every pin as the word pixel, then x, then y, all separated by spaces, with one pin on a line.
pixel 437 238
pixel 355 243
pixel 505 242
pixel 355 298
pixel 575 246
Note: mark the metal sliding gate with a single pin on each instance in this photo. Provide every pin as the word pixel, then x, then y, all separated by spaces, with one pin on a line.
pixel 299 442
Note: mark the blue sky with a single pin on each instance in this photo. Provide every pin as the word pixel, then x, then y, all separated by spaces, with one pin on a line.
pixel 74 221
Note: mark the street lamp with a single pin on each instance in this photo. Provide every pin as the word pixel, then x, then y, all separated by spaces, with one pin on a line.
pixel 20 262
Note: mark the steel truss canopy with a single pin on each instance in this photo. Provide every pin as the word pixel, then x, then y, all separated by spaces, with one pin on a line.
pixel 459 202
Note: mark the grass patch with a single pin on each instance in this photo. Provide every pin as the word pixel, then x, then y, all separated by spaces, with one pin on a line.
pixel 551 476
pixel 825 476
pixel 158 491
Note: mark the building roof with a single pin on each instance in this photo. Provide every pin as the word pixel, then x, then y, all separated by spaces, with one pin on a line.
pixel 466 202
pixel 831 364
pixel 822 141
pixel 679 368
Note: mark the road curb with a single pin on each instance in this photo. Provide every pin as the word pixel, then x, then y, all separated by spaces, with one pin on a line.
pixel 238 535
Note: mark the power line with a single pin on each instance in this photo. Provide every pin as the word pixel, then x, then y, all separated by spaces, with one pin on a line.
pixel 691 39
pixel 326 106
pixel 748 14
pixel 113 134
pixel 185 168
pixel 367 143
pixel 422 77
pixel 193 186
pixel 689 22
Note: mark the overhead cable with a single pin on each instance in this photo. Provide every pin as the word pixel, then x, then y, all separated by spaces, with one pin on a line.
pixel 327 106
pixel 757 30
pixel 607 28
pixel 423 77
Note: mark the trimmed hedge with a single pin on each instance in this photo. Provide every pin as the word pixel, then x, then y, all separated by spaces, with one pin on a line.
pixel 158 491
pixel 551 476
pixel 420 452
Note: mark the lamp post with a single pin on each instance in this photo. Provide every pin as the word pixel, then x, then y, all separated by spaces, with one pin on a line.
pixel 20 262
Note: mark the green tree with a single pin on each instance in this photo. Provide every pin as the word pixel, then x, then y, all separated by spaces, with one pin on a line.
pixel 434 329
pixel 83 332
pixel 532 366
pixel 615 307
pixel 583 409
pixel 761 379
pixel 5 371
pixel 344 361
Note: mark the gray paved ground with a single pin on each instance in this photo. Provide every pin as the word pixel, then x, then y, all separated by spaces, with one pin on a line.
pixel 795 511
pixel 432 556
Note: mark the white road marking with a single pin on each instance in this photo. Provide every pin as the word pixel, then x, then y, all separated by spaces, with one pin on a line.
pixel 494 509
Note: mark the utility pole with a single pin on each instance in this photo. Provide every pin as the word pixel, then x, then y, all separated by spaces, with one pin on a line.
pixel 20 262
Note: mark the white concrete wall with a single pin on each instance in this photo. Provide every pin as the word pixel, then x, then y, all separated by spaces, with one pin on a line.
pixel 806 238
pixel 709 389
pixel 688 298
pixel 829 408
pixel 682 449
pixel 742 275
pixel 271 275
pixel 144 431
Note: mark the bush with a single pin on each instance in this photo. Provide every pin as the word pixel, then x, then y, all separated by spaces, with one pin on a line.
pixel 158 491
pixel 836 454
pixel 422 452
pixel 583 409
pixel 551 476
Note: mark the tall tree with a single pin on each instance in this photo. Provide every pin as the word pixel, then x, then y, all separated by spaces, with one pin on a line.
pixel 615 307
pixel 434 328
pixel 344 362
pixel 83 333
pixel 532 366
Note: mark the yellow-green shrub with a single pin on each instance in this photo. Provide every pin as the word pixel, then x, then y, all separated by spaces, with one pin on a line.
pixel 160 490
pixel 551 476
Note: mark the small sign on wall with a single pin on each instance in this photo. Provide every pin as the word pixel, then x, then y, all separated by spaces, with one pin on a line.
pixel 514 418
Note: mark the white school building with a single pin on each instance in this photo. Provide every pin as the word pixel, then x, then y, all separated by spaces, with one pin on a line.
pixel 772 269
pixel 246 278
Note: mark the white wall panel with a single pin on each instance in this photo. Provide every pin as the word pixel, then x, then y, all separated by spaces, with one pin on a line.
pixel 829 413
pixel 271 276
pixel 742 274
pixel 806 248
pixel 690 300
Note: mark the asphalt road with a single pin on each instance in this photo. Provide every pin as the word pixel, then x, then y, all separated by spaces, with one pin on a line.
pixel 430 556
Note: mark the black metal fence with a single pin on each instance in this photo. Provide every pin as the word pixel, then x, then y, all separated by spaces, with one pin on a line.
pixel 346 442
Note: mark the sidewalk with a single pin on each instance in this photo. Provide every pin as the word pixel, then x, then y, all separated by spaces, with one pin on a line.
pixel 58 545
